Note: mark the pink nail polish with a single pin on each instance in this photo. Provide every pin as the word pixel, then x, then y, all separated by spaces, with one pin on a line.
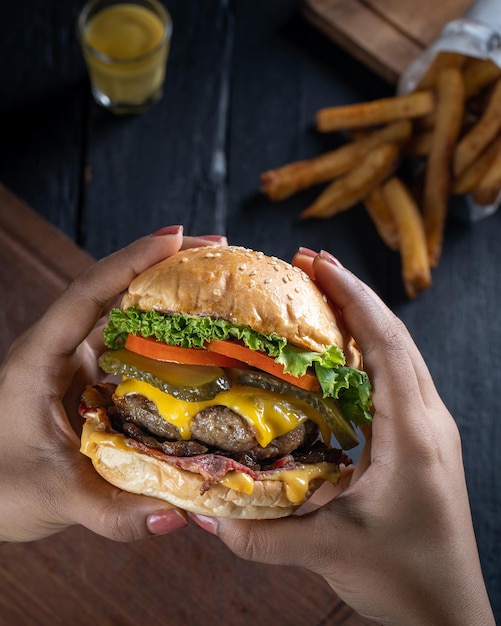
pixel 165 522
pixel 207 523
pixel 307 252
pixel 327 256
pixel 167 230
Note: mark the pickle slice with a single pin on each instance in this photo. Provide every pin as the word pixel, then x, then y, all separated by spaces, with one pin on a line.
pixel 328 408
pixel 191 383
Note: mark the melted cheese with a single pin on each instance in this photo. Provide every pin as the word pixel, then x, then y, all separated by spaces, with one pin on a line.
pixel 238 481
pixel 270 414
pixel 296 481
pixel 91 438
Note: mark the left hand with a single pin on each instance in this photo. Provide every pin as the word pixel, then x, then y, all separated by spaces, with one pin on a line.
pixel 46 484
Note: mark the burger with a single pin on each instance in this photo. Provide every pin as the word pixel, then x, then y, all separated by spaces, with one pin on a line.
pixel 234 388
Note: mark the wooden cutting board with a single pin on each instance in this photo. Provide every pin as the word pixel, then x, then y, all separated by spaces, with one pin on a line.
pixel 385 35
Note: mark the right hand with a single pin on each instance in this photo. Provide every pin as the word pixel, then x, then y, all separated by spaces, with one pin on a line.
pixel 397 544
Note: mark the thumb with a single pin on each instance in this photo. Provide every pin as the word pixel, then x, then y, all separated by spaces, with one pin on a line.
pixel 295 540
pixel 119 515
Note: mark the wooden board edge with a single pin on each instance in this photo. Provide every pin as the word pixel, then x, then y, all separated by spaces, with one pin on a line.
pixel 388 61
pixel 34 236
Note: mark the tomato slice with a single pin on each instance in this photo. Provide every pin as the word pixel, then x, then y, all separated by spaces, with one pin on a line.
pixel 175 354
pixel 263 362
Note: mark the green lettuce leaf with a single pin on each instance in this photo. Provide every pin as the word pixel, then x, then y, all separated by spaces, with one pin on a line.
pixel 349 386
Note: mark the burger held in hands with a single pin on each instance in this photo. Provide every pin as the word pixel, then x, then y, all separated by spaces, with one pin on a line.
pixel 237 388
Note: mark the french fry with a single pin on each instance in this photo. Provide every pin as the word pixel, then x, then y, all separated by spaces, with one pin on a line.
pixel 451 123
pixel 443 60
pixel 477 74
pixel 351 188
pixel 489 186
pixel 469 180
pixel 376 112
pixel 382 217
pixel 419 144
pixel 449 111
pixel 282 182
pixel 486 197
pixel 416 272
pixel 483 132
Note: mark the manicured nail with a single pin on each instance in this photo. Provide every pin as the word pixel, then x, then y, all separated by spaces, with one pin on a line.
pixel 165 522
pixel 207 523
pixel 327 256
pixel 307 252
pixel 216 238
pixel 168 230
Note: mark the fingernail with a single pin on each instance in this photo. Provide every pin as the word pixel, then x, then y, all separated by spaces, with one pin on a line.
pixel 217 238
pixel 168 230
pixel 207 523
pixel 327 256
pixel 165 522
pixel 307 252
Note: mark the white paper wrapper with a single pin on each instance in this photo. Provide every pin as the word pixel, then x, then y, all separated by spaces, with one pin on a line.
pixel 477 34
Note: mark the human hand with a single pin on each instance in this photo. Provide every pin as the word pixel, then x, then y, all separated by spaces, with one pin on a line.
pixel 397 544
pixel 46 484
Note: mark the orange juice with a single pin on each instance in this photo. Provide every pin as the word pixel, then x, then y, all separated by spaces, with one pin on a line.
pixel 125 46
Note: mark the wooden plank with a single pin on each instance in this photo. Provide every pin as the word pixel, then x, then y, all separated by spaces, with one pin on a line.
pixel 385 36
pixel 43 108
pixel 421 21
pixel 175 178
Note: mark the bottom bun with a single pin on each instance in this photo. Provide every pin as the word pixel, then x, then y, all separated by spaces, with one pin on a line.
pixel 136 472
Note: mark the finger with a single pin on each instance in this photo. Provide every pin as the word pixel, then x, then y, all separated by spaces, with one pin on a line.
pixel 364 459
pixel 304 260
pixel 204 240
pixel 276 541
pixel 116 514
pixel 390 355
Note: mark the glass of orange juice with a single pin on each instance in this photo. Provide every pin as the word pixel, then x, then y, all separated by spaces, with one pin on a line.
pixel 125 45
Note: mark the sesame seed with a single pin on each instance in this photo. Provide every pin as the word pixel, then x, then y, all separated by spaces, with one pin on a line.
pixel 252 283
pixel 217 292
pixel 324 298
pixel 267 281
pixel 209 255
pixel 297 290
pixel 285 279
pixel 305 278
pixel 290 296
pixel 252 273
pixel 242 267
pixel 184 260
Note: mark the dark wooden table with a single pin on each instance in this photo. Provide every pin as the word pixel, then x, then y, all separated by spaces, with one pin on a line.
pixel 244 80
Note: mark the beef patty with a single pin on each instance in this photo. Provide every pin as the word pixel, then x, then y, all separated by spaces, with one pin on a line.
pixel 216 427
pixel 216 430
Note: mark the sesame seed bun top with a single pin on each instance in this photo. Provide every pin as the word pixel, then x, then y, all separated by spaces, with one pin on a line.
pixel 244 287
